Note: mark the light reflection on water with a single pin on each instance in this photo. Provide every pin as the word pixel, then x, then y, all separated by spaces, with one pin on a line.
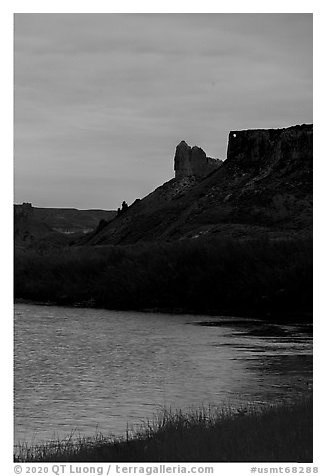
pixel 89 371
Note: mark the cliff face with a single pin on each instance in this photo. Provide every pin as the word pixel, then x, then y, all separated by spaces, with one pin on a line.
pixel 263 188
pixel 252 150
pixel 193 162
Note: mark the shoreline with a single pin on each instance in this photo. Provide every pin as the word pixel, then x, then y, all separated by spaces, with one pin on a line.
pixel 286 318
pixel 281 432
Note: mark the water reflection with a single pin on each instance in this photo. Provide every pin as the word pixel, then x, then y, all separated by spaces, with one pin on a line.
pixel 96 370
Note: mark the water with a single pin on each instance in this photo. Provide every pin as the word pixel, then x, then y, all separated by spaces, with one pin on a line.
pixel 88 371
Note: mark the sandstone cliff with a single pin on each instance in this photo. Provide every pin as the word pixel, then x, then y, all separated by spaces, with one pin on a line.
pixel 193 162
pixel 263 188
pixel 253 150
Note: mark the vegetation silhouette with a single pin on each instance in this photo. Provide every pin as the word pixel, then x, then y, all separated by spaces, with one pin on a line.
pixel 261 277
pixel 281 432
pixel 123 209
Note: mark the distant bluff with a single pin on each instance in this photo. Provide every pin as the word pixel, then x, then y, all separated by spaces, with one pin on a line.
pixel 193 162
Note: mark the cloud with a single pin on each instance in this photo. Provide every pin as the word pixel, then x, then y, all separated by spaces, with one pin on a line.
pixel 108 96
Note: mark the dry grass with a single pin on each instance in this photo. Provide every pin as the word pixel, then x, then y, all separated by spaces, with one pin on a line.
pixel 254 434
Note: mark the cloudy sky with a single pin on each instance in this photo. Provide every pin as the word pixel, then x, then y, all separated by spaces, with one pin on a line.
pixel 102 100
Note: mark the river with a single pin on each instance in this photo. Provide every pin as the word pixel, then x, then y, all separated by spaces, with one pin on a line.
pixel 82 371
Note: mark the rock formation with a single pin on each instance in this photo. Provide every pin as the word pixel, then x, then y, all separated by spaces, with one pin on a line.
pixel 263 189
pixel 252 150
pixel 192 161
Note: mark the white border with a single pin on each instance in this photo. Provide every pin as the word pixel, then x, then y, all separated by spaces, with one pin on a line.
pixel 6 45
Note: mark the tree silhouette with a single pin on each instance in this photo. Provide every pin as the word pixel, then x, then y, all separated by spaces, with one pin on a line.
pixel 124 206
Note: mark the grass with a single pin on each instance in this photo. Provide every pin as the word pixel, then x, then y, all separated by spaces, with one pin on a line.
pixel 271 278
pixel 280 433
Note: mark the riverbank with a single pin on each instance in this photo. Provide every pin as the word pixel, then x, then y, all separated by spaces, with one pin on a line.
pixel 305 319
pixel 280 433
pixel 253 278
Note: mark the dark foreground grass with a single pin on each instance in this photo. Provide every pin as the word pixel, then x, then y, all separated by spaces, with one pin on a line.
pixel 282 433
pixel 269 278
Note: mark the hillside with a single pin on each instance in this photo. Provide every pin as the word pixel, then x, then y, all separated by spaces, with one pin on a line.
pixel 32 225
pixel 185 254
pixel 262 189
pixel 72 220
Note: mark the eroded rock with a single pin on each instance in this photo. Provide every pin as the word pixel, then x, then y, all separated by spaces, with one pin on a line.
pixel 192 161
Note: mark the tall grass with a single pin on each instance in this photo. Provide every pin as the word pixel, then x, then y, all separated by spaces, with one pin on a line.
pixel 274 433
pixel 243 277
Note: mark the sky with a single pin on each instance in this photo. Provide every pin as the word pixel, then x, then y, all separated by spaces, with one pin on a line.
pixel 102 100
